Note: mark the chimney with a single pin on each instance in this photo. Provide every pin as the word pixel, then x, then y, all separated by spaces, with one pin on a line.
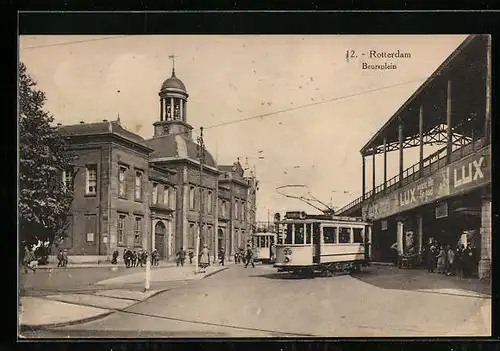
pixel 82 122
pixel 104 120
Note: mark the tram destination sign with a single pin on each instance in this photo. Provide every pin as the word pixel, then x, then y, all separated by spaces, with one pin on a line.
pixel 460 176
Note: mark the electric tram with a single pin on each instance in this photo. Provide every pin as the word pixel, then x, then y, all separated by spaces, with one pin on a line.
pixel 324 243
pixel 263 243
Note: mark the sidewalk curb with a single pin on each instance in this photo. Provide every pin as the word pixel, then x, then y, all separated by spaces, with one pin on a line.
pixel 27 327
pixel 212 273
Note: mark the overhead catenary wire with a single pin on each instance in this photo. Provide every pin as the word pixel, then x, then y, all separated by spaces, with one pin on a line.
pixel 337 98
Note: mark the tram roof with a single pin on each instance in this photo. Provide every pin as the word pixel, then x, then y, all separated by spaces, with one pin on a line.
pixel 467 69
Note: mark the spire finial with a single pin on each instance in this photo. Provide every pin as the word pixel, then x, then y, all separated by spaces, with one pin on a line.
pixel 172 57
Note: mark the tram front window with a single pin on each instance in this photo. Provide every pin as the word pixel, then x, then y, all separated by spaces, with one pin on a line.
pixel 262 241
pixel 344 235
pixel 308 233
pixel 299 234
pixel 288 238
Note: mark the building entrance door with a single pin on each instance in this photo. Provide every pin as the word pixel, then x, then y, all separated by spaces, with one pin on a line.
pixel 220 239
pixel 160 239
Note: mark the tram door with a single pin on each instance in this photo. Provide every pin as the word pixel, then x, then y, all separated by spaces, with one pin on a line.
pixel 316 243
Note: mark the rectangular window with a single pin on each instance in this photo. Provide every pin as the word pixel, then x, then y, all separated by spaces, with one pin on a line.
pixel 154 200
pixel 191 197
pixel 138 186
pixel 90 227
pixel 121 229
pixel 330 235
pixel 344 235
pixel 358 235
pixel 383 225
pixel 299 234
pixel 209 202
pixel 68 179
pixel 122 183
pixel 137 231
pixel 223 208
pixel 91 180
pixel 236 209
pixel 308 233
pixel 166 194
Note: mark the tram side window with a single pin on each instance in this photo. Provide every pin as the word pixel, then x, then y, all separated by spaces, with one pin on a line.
pixel 262 241
pixel 358 237
pixel 299 234
pixel 344 235
pixel 329 235
pixel 288 238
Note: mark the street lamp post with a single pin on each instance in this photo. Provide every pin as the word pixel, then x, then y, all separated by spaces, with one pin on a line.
pixel 201 157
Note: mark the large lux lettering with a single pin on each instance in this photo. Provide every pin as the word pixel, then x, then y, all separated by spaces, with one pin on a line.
pixel 474 173
pixel 407 197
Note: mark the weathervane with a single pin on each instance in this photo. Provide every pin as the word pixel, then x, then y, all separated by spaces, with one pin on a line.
pixel 172 57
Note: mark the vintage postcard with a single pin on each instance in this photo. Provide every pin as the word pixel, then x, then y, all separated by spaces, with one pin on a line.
pixel 180 186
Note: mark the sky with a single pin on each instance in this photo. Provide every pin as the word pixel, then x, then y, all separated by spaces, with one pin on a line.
pixel 322 107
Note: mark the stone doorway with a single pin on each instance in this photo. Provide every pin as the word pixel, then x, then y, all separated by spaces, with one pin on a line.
pixel 160 231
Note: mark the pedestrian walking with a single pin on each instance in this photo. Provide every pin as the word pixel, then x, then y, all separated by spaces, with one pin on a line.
pixel 181 257
pixel 249 256
pixel 191 256
pixel 144 257
pixel 441 260
pixel 30 261
pixel 272 251
pixel 468 261
pixel 114 260
pixel 459 252
pixel 451 261
pixel 204 258
pixel 60 258
pixel 222 255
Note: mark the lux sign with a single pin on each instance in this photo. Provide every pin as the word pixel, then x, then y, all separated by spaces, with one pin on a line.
pixel 469 173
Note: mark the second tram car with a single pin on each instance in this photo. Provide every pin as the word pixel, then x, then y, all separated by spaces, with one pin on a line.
pixel 263 243
pixel 321 243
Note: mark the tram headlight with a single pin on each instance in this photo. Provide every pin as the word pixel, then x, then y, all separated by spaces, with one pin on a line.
pixel 287 259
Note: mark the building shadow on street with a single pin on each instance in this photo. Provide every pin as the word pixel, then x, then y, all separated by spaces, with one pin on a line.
pixel 390 277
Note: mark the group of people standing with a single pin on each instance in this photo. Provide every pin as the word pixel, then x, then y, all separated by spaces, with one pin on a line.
pixel 460 261
pixel 246 256
pixel 136 259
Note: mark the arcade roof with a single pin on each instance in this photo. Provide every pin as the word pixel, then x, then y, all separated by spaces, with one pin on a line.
pixel 466 67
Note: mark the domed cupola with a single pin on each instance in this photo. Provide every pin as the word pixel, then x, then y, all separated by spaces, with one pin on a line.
pixel 173 84
pixel 173 103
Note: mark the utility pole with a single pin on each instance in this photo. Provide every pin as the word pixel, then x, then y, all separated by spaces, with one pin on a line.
pixel 201 158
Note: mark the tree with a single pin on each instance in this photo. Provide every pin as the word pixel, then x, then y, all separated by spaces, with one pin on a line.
pixel 44 201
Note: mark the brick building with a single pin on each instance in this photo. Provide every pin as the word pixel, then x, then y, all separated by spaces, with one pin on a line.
pixel 145 193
